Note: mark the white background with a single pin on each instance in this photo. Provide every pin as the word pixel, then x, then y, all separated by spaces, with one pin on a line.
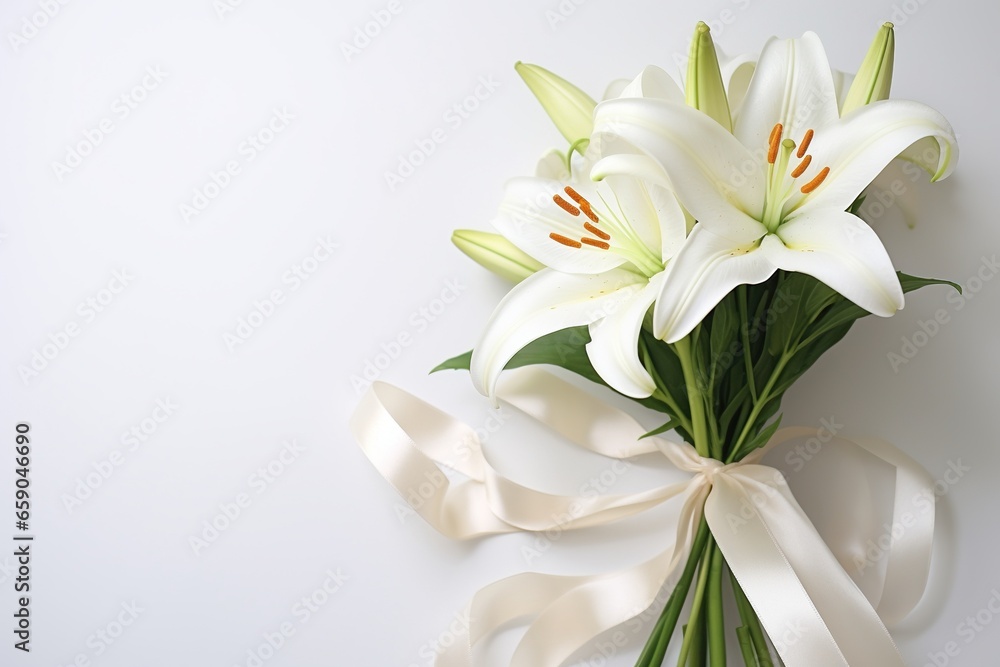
pixel 323 176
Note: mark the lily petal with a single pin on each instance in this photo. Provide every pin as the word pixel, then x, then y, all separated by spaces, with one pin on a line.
pixel 706 269
pixel 674 222
pixel 858 148
pixel 652 209
pixel 737 71
pixel 543 303
pixel 842 251
pixel 713 175
pixel 654 82
pixel 792 85
pixel 613 348
pixel 529 213
pixel 552 166
pixel 842 82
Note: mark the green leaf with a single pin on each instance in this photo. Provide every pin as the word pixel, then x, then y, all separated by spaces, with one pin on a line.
pixel 911 283
pixel 459 363
pixel 669 426
pixel 724 335
pixel 566 348
pixel 762 438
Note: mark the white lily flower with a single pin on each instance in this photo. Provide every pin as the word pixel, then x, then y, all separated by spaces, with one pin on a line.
pixel 605 246
pixel 773 194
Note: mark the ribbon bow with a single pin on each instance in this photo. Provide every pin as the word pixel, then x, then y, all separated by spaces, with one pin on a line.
pixel 812 610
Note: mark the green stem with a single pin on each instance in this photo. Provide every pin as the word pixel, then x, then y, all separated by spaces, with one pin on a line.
pixel 695 401
pixel 645 658
pixel 746 647
pixel 693 627
pixel 699 651
pixel 714 612
pixel 750 621
pixel 672 611
pixel 765 397
pixel 741 299
pixel 661 394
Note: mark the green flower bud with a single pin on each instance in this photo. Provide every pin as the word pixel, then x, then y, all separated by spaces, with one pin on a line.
pixel 571 109
pixel 703 87
pixel 496 254
pixel 874 79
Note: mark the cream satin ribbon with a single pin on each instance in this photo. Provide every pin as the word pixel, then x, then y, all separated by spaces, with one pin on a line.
pixel 812 610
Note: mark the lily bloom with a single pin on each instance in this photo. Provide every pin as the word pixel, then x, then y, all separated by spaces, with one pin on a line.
pixel 774 193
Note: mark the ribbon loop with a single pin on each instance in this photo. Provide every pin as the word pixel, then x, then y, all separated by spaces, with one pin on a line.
pixel 812 610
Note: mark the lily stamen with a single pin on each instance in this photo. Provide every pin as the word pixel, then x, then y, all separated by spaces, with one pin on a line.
pixel 597 244
pixel 582 202
pixel 799 170
pixel 574 195
pixel 559 238
pixel 565 205
pixel 806 140
pixel 773 142
pixel 816 182
pixel 599 233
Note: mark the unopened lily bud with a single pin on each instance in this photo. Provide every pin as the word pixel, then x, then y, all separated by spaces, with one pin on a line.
pixel 571 109
pixel 703 88
pixel 496 254
pixel 874 79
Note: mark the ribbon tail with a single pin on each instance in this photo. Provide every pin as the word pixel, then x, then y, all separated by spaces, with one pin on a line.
pixel 908 559
pixel 566 611
pixel 812 610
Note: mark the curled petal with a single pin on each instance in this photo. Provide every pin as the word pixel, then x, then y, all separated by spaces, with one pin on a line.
pixel 614 349
pixel 858 147
pixel 706 269
pixel 840 250
pixel 543 303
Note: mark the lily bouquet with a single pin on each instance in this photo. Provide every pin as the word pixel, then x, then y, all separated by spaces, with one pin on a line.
pixel 696 247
